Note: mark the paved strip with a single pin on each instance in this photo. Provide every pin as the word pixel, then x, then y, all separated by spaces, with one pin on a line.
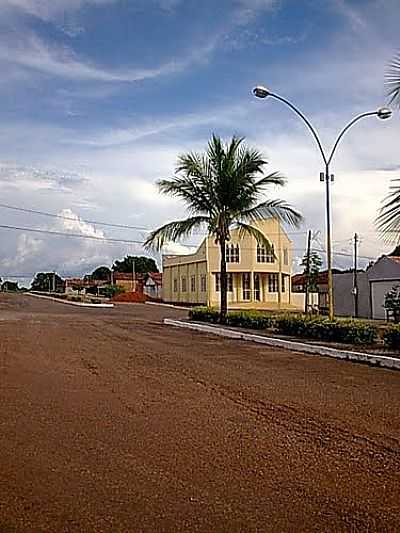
pixel 117 423
pixel 67 302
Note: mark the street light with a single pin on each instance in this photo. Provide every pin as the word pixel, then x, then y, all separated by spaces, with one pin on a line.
pixel 383 113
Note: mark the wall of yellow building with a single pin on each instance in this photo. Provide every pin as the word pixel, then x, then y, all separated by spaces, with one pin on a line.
pixel 206 261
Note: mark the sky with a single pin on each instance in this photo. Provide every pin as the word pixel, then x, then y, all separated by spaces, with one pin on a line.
pixel 98 98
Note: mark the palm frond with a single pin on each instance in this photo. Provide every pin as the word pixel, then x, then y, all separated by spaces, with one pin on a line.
pixel 275 178
pixel 277 209
pixel 392 80
pixel 256 233
pixel 388 220
pixel 173 231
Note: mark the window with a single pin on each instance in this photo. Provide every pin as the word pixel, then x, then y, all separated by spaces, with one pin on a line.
pixel 246 286
pixel 218 282
pixel 272 282
pixel 203 283
pixel 183 281
pixel 175 285
pixel 193 284
pixel 283 283
pixel 285 256
pixel 264 255
pixel 232 253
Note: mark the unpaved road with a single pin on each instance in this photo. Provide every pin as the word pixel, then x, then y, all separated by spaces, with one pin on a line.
pixel 112 422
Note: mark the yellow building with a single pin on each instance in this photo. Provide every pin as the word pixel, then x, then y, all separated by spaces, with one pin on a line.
pixel 256 277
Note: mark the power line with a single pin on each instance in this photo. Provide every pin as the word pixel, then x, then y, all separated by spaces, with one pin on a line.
pixel 75 235
pixel 54 215
pixel 110 224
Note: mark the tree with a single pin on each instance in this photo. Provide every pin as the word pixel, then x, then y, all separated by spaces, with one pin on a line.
pixel 388 219
pixel 10 286
pixel 143 265
pixel 47 282
pixel 392 302
pixel 102 273
pixel 222 189
pixel 315 267
pixel 393 80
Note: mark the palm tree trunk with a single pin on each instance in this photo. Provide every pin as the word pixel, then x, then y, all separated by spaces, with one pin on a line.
pixel 224 283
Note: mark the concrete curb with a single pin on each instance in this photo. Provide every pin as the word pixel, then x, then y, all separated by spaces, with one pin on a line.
pixel 77 304
pixel 169 305
pixel 311 349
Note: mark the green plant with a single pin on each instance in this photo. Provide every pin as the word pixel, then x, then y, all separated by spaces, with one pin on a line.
pixel 222 189
pixel 391 337
pixel 346 331
pixel 204 314
pixel 392 302
pixel 109 291
pixel 249 319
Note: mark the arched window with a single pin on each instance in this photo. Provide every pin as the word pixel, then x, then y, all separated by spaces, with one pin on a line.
pixel 264 255
pixel 232 253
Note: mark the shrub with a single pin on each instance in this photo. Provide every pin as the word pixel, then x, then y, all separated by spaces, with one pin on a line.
pixel 204 314
pixel 392 337
pixel 109 291
pixel 346 331
pixel 249 319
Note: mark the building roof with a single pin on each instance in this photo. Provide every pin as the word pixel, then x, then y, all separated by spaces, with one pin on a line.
pixel 300 279
pixel 156 277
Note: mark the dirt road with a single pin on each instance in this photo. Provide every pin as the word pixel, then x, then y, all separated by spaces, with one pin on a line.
pixel 112 422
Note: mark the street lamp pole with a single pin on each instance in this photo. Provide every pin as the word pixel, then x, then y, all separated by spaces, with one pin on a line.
pixel 382 113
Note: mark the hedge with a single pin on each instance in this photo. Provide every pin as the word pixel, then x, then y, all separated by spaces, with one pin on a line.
pixel 346 331
pixel 392 337
pixel 244 319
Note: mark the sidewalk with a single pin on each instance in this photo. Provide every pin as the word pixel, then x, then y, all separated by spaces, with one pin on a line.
pixel 336 351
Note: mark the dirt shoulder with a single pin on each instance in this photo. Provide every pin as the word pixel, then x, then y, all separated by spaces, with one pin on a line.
pixel 111 421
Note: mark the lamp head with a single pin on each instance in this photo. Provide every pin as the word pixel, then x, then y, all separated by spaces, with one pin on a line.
pixel 384 113
pixel 260 91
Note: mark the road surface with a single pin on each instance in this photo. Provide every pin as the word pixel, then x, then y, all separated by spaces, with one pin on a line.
pixel 112 422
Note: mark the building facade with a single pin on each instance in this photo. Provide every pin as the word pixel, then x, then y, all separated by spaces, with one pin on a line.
pixel 257 276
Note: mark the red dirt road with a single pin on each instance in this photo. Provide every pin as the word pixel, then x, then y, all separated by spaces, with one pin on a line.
pixel 112 422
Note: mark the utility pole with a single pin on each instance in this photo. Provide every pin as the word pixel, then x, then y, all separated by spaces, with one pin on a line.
pixel 279 267
pixel 355 286
pixel 307 271
pixel 133 275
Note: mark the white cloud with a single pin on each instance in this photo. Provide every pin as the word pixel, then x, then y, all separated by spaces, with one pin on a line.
pixel 49 9
pixel 34 54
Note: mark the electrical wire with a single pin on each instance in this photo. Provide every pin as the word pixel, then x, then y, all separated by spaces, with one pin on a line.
pixel 54 215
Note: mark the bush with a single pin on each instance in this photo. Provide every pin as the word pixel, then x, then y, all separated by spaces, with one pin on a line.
pixel 204 314
pixel 392 337
pixel 109 291
pixel 346 331
pixel 244 319
pixel 249 319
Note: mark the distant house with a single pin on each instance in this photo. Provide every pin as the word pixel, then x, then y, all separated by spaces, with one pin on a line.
pixel 382 276
pixel 153 285
pixel 373 284
pixel 130 282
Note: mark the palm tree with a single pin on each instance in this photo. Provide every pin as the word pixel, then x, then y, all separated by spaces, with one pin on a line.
pixel 393 80
pixel 388 220
pixel 222 189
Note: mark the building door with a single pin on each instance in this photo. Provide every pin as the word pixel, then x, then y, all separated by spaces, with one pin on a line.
pixel 257 292
pixel 246 286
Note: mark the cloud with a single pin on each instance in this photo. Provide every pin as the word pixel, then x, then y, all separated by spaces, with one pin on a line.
pixel 49 9
pixel 34 54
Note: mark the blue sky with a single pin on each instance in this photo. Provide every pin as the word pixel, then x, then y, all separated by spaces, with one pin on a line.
pixel 97 98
